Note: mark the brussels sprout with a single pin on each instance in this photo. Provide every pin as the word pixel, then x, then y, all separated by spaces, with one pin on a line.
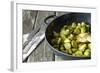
pixel 63 36
pixel 83 24
pixel 74 25
pixel 64 32
pixel 89 38
pixel 74 49
pixel 80 44
pixel 83 29
pixel 79 25
pixel 67 32
pixel 69 51
pixel 59 41
pixel 77 31
pixel 67 45
pixel 84 37
pixel 74 44
pixel 78 53
pixel 87 52
pixel 66 40
pixel 65 27
pixel 71 36
pixel 82 47
pixel 73 54
pixel 62 48
pixel 89 45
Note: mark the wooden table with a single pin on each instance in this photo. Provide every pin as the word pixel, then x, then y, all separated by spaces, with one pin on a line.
pixel 31 20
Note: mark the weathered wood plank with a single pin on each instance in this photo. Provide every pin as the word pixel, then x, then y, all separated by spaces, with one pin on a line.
pixel 28 20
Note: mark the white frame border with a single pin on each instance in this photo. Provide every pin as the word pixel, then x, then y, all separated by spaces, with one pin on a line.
pixel 16 60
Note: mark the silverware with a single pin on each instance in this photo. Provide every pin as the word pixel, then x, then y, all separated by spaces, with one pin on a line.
pixel 30 36
pixel 38 37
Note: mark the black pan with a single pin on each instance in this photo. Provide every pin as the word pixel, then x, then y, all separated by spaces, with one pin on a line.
pixel 57 23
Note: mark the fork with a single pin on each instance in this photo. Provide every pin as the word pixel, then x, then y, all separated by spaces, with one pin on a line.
pixel 30 47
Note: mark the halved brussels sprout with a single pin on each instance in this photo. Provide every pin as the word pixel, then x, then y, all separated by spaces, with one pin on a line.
pixel 83 24
pixel 74 49
pixel 78 53
pixel 59 40
pixel 67 45
pixel 66 40
pixel 84 37
pixel 89 45
pixel 87 52
pixel 64 32
pixel 77 31
pixel 83 29
pixel 71 36
pixel 74 44
pixel 62 48
pixel 82 47
pixel 74 25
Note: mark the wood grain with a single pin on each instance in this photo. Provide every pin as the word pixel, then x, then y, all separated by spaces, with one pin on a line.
pixel 28 20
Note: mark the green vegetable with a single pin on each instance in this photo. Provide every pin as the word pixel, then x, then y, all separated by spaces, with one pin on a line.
pixel 83 24
pixel 84 37
pixel 82 47
pixel 59 41
pixel 87 52
pixel 77 31
pixel 74 25
pixel 74 44
pixel 69 51
pixel 74 49
pixel 89 46
pixel 73 39
pixel 71 36
pixel 64 32
pixel 83 29
pixel 66 40
pixel 63 36
pixel 67 45
pixel 62 48
pixel 67 32
pixel 78 53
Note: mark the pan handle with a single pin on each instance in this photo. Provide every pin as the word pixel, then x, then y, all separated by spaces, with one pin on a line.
pixel 48 19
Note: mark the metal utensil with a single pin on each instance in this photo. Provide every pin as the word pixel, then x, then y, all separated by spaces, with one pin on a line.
pixel 30 36
pixel 39 36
